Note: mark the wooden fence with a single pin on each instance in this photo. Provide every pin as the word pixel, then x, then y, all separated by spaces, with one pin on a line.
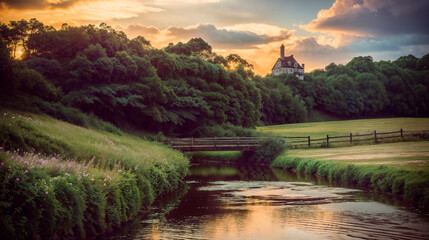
pixel 250 143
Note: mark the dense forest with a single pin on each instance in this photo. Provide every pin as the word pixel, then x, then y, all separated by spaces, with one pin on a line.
pixel 186 89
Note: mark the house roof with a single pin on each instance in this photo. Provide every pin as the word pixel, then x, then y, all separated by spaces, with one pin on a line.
pixel 286 61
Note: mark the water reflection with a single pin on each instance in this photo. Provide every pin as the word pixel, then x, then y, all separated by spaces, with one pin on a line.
pixel 255 202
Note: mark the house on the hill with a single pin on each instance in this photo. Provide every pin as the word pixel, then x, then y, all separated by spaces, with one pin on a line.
pixel 287 65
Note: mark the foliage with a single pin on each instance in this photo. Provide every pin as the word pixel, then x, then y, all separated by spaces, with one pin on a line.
pixel 99 181
pixel 268 149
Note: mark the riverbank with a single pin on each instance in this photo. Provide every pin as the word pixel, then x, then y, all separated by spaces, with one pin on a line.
pixel 59 180
pixel 390 168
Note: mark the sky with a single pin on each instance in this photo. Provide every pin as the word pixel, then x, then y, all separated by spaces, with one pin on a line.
pixel 316 32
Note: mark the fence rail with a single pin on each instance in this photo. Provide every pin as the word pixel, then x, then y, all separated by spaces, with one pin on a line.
pixel 251 143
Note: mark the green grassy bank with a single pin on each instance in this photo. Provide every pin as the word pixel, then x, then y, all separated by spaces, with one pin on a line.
pixel 365 167
pixel 58 180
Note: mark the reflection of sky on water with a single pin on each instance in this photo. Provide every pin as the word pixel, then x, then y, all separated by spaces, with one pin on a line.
pixel 226 206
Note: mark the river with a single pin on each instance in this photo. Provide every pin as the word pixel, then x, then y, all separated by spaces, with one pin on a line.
pixel 256 202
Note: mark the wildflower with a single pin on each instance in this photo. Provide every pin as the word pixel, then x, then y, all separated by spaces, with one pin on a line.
pixel 67 174
pixel 104 184
pixel 32 166
pixel 13 117
pixel 92 179
pixel 47 192
pixel 26 171
pixel 10 166
pixel 119 170
pixel 5 114
pixel 26 163
pixel 17 179
pixel 105 179
pixel 2 164
pixel 55 177
pixel 71 184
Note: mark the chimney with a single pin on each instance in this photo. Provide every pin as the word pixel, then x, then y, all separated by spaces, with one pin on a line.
pixel 303 65
pixel 282 52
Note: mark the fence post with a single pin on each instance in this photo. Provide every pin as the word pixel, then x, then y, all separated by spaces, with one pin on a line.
pixel 351 138
pixel 327 140
pixel 192 142
pixel 375 136
pixel 402 134
pixel 309 144
pixel 215 143
pixel 238 141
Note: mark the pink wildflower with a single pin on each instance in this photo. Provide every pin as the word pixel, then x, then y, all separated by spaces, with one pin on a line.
pixel 2 164
pixel 104 184
pixel 105 179
pixel 17 179
pixel 26 171
pixel 26 163
pixel 10 166
pixel 92 179
pixel 47 192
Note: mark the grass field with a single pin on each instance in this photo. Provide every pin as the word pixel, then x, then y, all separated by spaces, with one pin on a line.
pixel 338 128
pixel 413 156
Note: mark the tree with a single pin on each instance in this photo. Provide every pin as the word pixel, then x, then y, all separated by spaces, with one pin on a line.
pixel 362 64
pixel 94 52
pixel 409 62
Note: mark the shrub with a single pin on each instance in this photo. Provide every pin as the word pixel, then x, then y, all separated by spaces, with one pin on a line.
pixel 267 151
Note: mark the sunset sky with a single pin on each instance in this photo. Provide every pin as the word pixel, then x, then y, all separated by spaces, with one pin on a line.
pixel 316 32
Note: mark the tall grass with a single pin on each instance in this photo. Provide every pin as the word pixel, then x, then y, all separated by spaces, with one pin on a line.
pixel 66 181
pixel 412 185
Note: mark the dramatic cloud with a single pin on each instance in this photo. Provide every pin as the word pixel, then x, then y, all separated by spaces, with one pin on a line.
pixel 37 4
pixel 223 38
pixel 76 11
pixel 373 18
pixel 135 30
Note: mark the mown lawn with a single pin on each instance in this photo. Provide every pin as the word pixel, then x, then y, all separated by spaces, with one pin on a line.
pixel 339 128
pixel 413 156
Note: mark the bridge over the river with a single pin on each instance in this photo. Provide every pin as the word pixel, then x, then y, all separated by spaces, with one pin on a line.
pixel 215 144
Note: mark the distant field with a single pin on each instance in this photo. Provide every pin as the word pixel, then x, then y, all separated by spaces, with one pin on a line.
pixel 335 128
pixel 412 156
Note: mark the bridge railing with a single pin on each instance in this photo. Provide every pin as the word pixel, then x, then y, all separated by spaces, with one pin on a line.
pixel 214 143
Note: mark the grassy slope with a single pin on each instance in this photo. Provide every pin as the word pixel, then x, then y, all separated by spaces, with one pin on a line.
pixel 107 148
pixel 337 128
pixel 101 180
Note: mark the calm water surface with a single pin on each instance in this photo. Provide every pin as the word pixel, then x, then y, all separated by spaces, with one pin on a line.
pixel 254 202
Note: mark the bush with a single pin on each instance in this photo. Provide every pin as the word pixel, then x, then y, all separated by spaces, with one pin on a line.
pixel 269 148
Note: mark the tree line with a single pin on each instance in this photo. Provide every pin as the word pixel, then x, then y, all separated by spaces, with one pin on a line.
pixel 185 88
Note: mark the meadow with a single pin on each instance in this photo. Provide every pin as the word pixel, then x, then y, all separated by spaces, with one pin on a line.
pixel 345 127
